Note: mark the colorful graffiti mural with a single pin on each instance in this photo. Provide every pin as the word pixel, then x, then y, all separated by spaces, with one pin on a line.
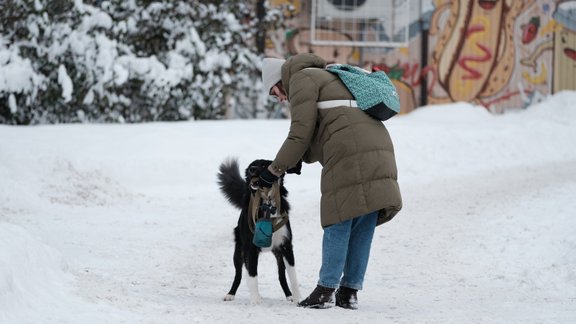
pixel 474 56
pixel 497 53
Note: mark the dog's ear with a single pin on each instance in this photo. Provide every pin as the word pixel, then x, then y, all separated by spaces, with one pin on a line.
pixel 267 162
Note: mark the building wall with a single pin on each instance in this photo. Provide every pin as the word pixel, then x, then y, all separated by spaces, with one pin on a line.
pixel 501 54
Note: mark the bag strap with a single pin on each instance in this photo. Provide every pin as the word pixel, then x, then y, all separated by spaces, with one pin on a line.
pixel 256 202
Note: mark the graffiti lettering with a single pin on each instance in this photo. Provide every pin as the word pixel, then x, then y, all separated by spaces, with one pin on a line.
pixel 463 61
pixel 412 75
pixel 474 74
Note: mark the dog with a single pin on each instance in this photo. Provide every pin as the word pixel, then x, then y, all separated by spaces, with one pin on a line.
pixel 244 193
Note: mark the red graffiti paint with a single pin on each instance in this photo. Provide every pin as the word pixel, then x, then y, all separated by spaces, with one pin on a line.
pixel 463 62
pixel 411 75
pixel 487 4
pixel 507 96
pixel 474 29
pixel 571 53
pixel 530 30
pixel 431 79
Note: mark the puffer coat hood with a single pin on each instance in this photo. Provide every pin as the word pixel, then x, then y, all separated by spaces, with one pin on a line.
pixel 299 63
pixel 359 173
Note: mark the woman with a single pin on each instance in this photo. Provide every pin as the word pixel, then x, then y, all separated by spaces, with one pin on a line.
pixel 359 176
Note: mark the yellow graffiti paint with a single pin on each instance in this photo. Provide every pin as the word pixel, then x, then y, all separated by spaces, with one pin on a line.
pixel 537 79
pixel 550 27
pixel 439 3
pixel 295 4
pixel 355 55
pixel 475 39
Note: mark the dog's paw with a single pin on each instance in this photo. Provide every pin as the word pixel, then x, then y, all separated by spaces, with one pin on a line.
pixel 228 297
pixel 293 299
pixel 255 299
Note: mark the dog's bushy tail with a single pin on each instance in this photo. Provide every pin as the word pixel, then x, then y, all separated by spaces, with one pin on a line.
pixel 231 182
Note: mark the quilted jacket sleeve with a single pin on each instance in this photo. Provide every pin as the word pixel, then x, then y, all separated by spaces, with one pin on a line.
pixel 302 97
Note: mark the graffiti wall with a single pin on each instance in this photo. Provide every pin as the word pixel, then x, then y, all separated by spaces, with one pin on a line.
pixel 501 54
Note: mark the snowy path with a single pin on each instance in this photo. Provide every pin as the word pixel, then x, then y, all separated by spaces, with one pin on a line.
pixel 492 246
pixel 125 224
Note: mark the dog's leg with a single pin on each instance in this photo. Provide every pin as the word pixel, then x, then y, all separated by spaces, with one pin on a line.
pixel 296 297
pixel 238 275
pixel 282 274
pixel 252 267
pixel 290 268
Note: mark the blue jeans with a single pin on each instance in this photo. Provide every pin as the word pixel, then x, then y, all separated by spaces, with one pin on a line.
pixel 345 252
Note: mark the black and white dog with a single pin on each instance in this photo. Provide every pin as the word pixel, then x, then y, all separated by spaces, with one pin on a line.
pixel 243 193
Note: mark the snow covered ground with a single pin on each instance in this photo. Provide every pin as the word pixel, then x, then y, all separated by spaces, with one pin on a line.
pixel 125 223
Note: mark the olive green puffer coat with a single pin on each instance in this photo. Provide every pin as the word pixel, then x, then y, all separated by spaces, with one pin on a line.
pixel 359 172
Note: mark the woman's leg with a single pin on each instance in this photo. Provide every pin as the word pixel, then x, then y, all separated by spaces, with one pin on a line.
pixel 334 250
pixel 360 241
pixel 335 244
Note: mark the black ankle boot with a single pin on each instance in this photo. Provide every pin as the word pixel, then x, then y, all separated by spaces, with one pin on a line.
pixel 347 298
pixel 321 297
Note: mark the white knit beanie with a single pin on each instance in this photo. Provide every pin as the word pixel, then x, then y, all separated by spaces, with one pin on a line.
pixel 271 72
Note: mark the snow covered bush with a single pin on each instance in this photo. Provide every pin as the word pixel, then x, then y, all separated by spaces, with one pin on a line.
pixel 128 61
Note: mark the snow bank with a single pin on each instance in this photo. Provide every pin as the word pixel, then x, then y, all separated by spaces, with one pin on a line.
pixel 36 285
pixel 31 274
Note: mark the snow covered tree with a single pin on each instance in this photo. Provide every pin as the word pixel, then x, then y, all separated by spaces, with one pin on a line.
pixel 128 61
